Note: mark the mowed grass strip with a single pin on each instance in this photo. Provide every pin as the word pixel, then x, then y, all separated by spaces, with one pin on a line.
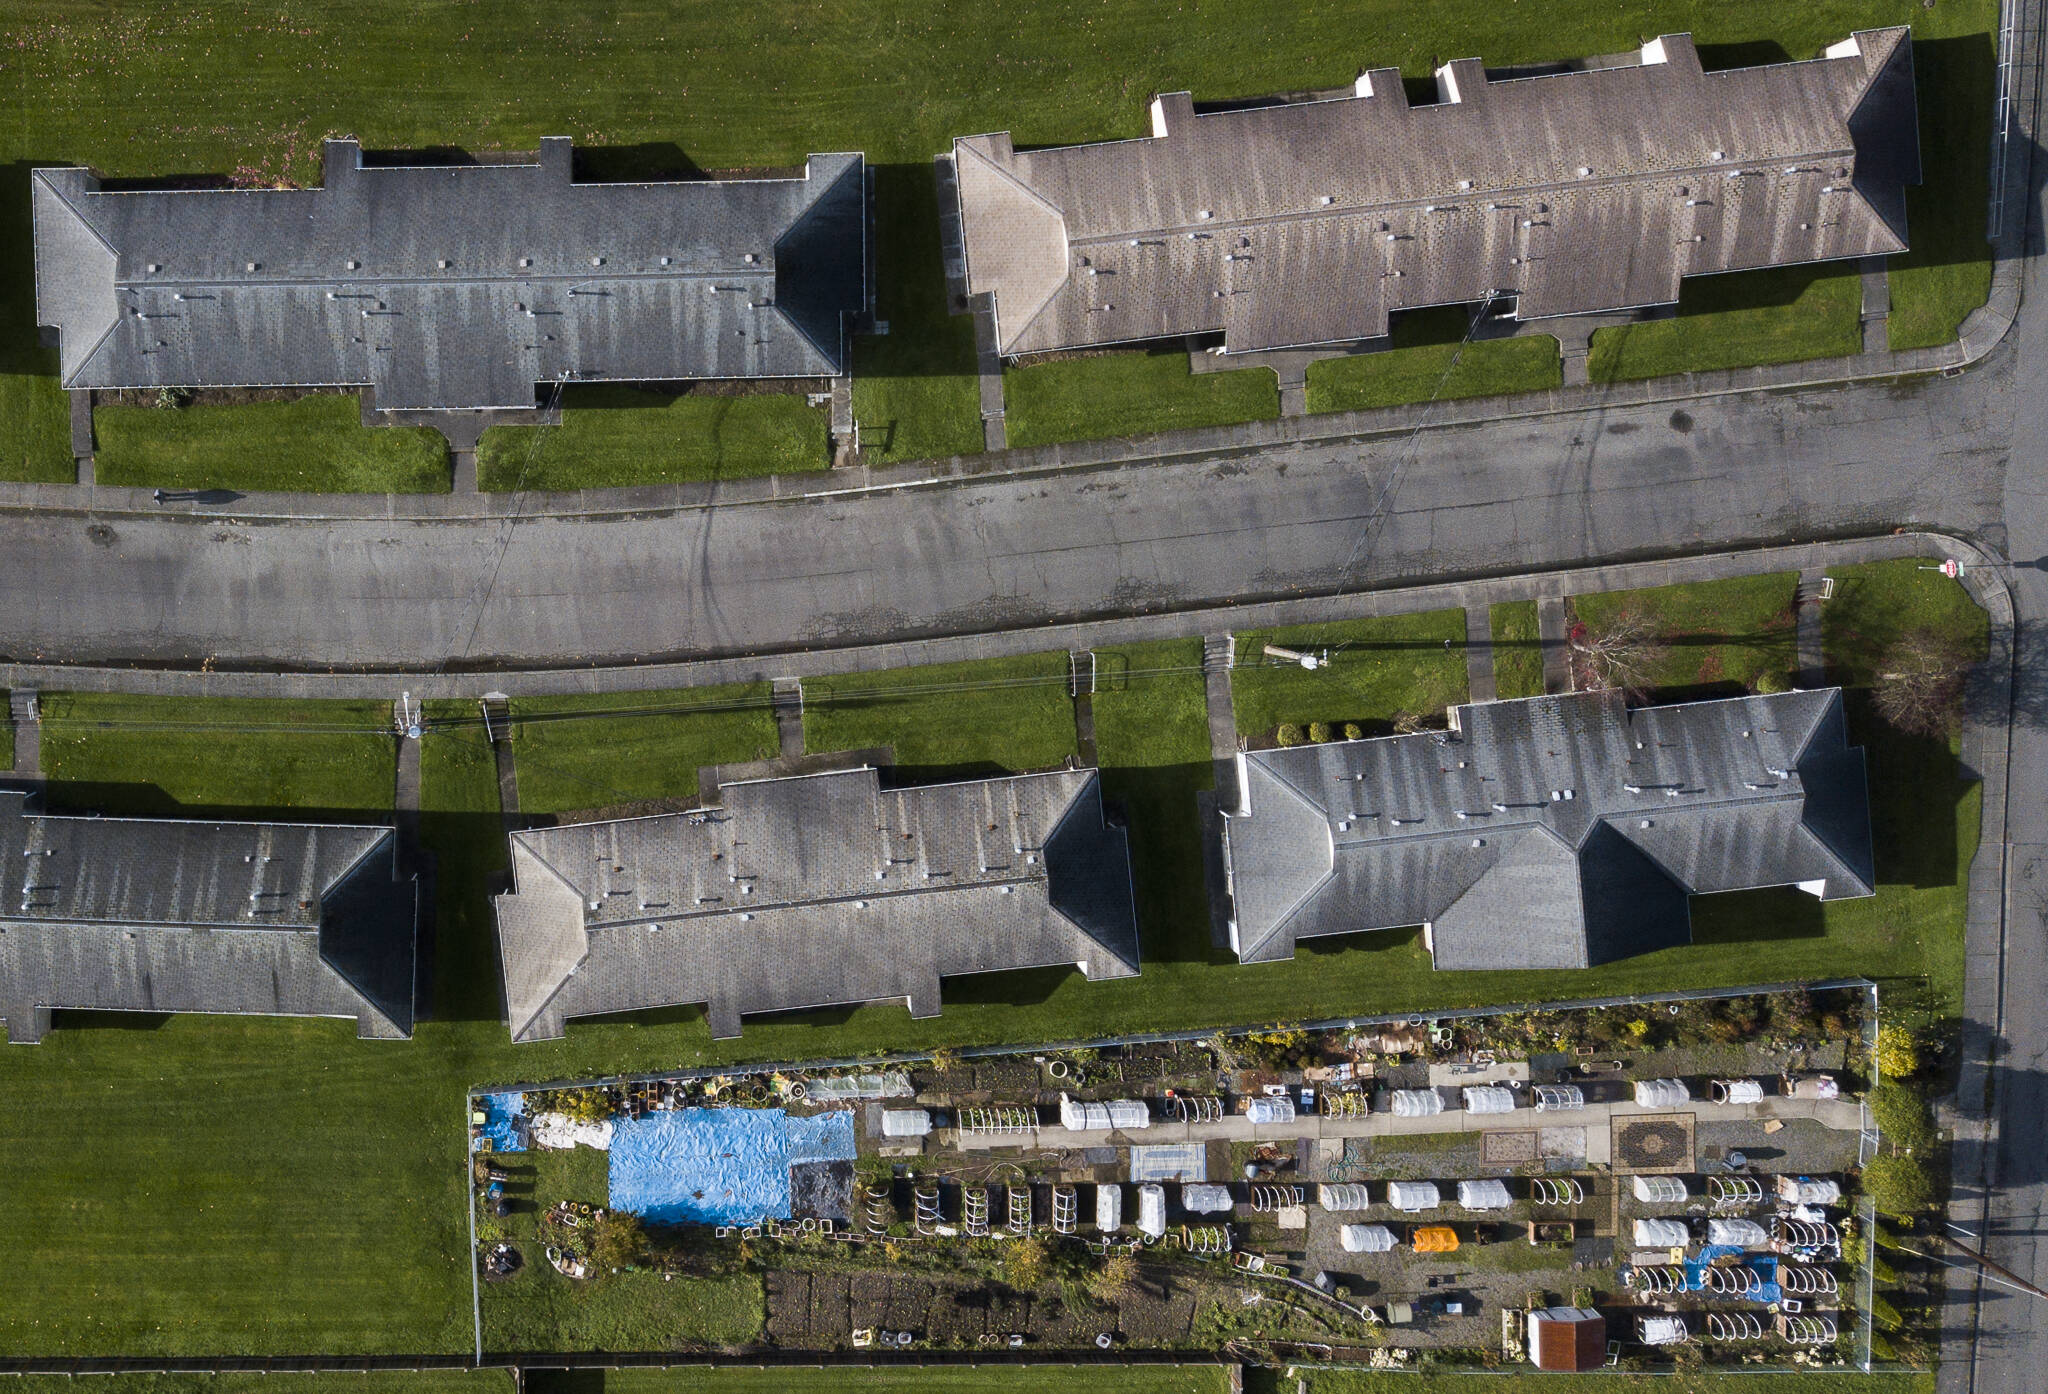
pixel 317 444
pixel 613 436
pixel 1517 649
pixel 1130 392
pixel 1379 671
pixel 1680 1381
pixel 976 718
pixel 1718 637
pixel 1784 315
pixel 930 1379
pixel 1878 603
pixel 1430 360
pixel 621 748
pixel 146 755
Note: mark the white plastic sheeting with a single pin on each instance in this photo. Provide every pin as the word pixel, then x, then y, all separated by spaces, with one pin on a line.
pixel 1559 1098
pixel 1483 1195
pixel 1658 1190
pixel 1809 1190
pixel 1417 1103
pixel 1270 1109
pixel 1077 1116
pixel 889 1084
pixel 1489 1098
pixel 1366 1239
pixel 1413 1195
pixel 906 1122
pixel 1662 1331
pixel 1662 1234
pixel 1662 1093
pixel 559 1132
pixel 1205 1200
pixel 1109 1208
pixel 1152 1210
pixel 1739 1091
pixel 1737 1234
pixel 1351 1195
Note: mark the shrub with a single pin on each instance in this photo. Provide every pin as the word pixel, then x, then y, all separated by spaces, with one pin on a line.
pixel 618 1241
pixel 1288 734
pixel 1115 1278
pixel 1901 1116
pixel 1353 731
pixel 1919 686
pixel 1026 1264
pixel 1319 731
pixel 1773 680
pixel 1898 1052
pixel 1883 1314
pixel 1898 1185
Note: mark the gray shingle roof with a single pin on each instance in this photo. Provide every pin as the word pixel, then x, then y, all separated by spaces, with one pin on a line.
pixel 452 286
pixel 814 891
pixel 163 915
pixel 1310 222
pixel 1554 832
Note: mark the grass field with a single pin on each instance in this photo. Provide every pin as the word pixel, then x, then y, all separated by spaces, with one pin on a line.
pixel 989 717
pixel 317 444
pixel 1517 651
pixel 937 1379
pixel 651 747
pixel 144 755
pixel 1719 637
pixel 1430 361
pixel 1130 392
pixel 1379 670
pixel 1875 604
pixel 613 436
pixel 726 89
pixel 1780 316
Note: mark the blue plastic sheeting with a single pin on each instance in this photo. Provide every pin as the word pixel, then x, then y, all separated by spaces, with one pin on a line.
pixel 1766 1267
pixel 718 1166
pixel 500 1126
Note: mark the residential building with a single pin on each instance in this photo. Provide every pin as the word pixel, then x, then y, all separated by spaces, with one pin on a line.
pixel 1301 223
pixel 1550 832
pixel 452 287
pixel 814 891
pixel 198 915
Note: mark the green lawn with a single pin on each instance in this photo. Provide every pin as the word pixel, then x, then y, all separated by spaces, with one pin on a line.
pixel 914 390
pixel 649 747
pixel 1876 603
pixel 733 89
pixel 147 755
pixel 317 444
pixel 282 1382
pixel 985 717
pixel 1517 650
pixel 1719 637
pixel 1130 392
pixel 616 435
pixel 1430 361
pixel 1379 670
pixel 1778 316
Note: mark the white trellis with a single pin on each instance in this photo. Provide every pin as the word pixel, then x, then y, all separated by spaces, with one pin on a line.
pixel 1563 1190
pixel 1735 1326
pixel 1266 1199
pixel 1065 1206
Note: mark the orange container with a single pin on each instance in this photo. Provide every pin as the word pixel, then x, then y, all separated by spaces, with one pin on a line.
pixel 1435 1239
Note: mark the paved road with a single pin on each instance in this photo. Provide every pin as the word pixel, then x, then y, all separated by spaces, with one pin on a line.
pixel 1482 500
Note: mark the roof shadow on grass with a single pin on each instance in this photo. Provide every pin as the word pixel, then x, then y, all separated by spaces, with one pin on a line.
pixel 1763 916
pixel 108 799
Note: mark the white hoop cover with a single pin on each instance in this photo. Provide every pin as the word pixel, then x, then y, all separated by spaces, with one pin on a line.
pixel 1348 1196
pixel 1411 1196
pixel 1662 1234
pixel 1658 1190
pixel 1417 1103
pixel 1483 1195
pixel 1662 1093
pixel 1489 1098
pixel 1366 1239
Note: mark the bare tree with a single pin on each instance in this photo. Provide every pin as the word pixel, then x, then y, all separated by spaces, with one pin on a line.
pixel 1919 686
pixel 1619 655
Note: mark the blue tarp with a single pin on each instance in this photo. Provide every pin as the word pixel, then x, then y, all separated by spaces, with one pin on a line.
pixel 1765 1265
pixel 501 1128
pixel 718 1166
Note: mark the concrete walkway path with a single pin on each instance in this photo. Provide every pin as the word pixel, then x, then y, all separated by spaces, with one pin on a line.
pixel 24 712
pixel 1553 633
pixel 1479 653
pixel 1812 663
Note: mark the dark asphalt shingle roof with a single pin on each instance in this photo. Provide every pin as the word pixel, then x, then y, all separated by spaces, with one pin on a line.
pixel 164 915
pixel 1553 832
pixel 1310 222
pixel 814 891
pixel 451 286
